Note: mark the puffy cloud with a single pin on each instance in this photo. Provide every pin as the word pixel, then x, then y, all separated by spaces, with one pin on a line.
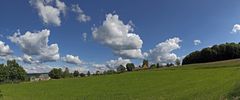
pixel 197 42
pixel 29 59
pixel 111 64
pixel 79 69
pixel 99 66
pixel 61 6
pixel 129 54
pixel 41 68
pixel 72 59
pixel 37 68
pixel 82 17
pixel 11 57
pixel 45 68
pixel 162 53
pixel 26 58
pixel 84 67
pixel 118 36
pixel 36 44
pixel 4 49
pixel 48 13
pixel 115 63
pixel 84 35
pixel 236 28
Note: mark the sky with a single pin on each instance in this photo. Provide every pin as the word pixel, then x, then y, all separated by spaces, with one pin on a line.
pixel 91 35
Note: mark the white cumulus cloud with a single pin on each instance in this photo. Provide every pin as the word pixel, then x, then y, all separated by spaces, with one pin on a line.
pixel 82 17
pixel 84 35
pixel 45 68
pixel 99 67
pixel 119 37
pixel 61 6
pixel 116 63
pixel 28 59
pixel 10 57
pixel 129 54
pixel 236 28
pixel 50 11
pixel 110 65
pixel 4 49
pixel 35 44
pixel 197 42
pixel 162 53
pixel 38 68
pixel 72 59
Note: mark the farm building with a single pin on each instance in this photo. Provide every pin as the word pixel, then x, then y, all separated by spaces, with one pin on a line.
pixel 38 77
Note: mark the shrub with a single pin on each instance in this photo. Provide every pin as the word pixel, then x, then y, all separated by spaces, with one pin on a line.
pixel 82 75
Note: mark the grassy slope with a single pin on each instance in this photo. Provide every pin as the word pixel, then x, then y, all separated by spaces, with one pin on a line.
pixel 209 81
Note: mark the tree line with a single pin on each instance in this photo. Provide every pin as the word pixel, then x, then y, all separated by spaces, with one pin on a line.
pixel 57 73
pixel 215 53
pixel 131 67
pixel 12 72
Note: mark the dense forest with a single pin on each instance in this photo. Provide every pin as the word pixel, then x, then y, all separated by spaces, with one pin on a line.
pixel 215 53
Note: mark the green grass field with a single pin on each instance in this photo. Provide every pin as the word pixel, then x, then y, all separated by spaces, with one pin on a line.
pixel 208 81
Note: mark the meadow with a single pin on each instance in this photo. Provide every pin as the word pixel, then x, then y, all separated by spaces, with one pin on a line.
pixel 206 81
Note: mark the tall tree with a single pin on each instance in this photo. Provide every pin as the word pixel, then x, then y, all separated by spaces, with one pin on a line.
pixel 76 73
pixel 66 73
pixel 130 66
pixel 178 62
pixel 145 64
pixel 12 72
pixel 16 72
pixel 3 73
pixel 88 73
pixel 158 66
pixel 56 73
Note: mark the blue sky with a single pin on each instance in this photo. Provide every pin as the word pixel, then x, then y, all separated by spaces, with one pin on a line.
pixel 155 22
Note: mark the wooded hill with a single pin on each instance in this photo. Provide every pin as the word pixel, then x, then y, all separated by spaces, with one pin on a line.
pixel 215 53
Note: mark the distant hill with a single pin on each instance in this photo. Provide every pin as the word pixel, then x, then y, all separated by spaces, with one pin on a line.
pixel 215 53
